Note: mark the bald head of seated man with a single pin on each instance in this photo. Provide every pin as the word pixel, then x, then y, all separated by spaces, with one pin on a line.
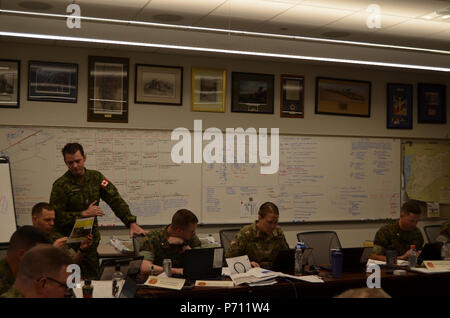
pixel 21 241
pixel 42 274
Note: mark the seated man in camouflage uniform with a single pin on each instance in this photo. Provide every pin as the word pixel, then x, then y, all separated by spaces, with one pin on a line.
pixel 77 194
pixel 262 240
pixel 43 218
pixel 170 242
pixel 400 234
pixel 444 235
pixel 21 241
pixel 42 274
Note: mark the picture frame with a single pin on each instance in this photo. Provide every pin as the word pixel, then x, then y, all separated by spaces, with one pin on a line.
pixel 252 93
pixel 158 84
pixel 208 89
pixel 292 96
pixel 9 83
pixel 432 103
pixel 342 97
pixel 52 81
pixel 108 89
pixel 399 106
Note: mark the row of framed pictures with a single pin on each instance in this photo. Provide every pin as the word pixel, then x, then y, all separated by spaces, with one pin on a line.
pixel 251 92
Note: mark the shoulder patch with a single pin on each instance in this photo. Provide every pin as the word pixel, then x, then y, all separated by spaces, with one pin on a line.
pixel 104 183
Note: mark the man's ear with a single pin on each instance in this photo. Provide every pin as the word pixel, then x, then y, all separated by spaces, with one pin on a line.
pixel 41 282
pixel 84 157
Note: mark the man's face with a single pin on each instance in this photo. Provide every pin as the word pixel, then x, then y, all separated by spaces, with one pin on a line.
pixel 55 286
pixel 268 223
pixel 189 232
pixel 408 221
pixel 45 221
pixel 75 163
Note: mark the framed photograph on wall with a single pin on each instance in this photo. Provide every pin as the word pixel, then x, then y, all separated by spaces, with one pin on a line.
pixel 432 103
pixel 158 84
pixel 342 97
pixel 252 93
pixel 208 90
pixel 52 81
pixel 9 83
pixel 292 96
pixel 399 106
pixel 108 89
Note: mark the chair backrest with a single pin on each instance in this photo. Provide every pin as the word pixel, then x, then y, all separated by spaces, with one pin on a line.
pixel 321 242
pixel 226 236
pixel 432 232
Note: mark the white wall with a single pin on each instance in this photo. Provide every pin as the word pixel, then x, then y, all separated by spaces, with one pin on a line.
pixel 170 117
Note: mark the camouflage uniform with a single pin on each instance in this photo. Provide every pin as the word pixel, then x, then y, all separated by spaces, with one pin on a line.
pixel 12 293
pixel 259 246
pixel 391 234
pixel 156 248
pixel 6 276
pixel 68 249
pixel 70 197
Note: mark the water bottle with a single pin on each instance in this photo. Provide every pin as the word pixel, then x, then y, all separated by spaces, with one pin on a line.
pixel 336 263
pixel 444 250
pixel 391 259
pixel 117 279
pixel 298 270
pixel 412 258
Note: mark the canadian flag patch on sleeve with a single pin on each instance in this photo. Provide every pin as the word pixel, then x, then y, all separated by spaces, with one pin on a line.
pixel 104 183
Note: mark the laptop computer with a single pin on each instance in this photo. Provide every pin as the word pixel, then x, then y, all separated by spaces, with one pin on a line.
pixel 128 265
pixel 203 263
pixel 285 260
pixel 129 288
pixel 430 252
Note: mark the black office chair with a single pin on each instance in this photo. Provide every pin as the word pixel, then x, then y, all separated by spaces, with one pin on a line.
pixel 226 236
pixel 321 242
pixel 432 232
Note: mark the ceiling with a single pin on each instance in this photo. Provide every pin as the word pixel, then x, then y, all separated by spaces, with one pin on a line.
pixel 402 22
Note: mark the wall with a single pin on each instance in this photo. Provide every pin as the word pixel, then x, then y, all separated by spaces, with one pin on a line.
pixel 170 117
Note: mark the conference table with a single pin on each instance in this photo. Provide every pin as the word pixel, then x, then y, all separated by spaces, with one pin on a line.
pixel 405 286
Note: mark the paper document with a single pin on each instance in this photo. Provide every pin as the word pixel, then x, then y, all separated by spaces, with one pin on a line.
pixel 399 262
pixel 102 289
pixel 306 278
pixel 437 265
pixel 120 246
pixel 81 229
pixel 254 275
pixel 165 282
pixel 214 283
pixel 240 264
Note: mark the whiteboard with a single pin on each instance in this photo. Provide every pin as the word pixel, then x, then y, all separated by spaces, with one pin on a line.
pixel 319 178
pixel 137 162
pixel 7 215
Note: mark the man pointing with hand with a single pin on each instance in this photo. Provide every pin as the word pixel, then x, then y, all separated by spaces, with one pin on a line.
pixel 77 194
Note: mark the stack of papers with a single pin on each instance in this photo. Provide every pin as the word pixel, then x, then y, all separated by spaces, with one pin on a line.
pixel 120 246
pixel 399 262
pixel 433 267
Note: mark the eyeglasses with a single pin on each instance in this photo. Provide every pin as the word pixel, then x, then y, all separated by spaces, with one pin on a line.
pixel 55 281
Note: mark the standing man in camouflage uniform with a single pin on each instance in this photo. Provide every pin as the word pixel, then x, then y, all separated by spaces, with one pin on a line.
pixel 21 241
pixel 262 240
pixel 43 218
pixel 399 235
pixel 77 194
pixel 170 242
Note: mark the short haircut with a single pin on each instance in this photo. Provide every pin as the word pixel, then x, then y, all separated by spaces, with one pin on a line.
pixel 37 209
pixel 26 237
pixel 364 293
pixel 411 206
pixel 267 208
pixel 182 218
pixel 43 260
pixel 72 148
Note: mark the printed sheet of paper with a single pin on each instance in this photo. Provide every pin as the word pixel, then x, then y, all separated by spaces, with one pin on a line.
pixel 165 282
pixel 240 264
pixel 81 229
pixel 214 283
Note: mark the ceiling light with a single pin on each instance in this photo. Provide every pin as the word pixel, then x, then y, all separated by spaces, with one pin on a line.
pixel 232 52
pixel 235 32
